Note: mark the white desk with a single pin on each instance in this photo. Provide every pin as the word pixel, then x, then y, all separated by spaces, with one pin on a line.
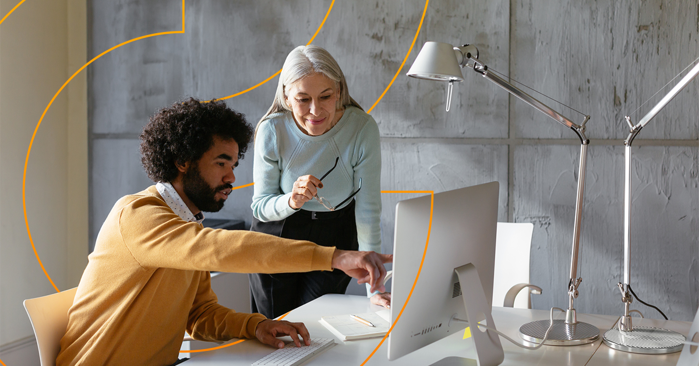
pixel 507 320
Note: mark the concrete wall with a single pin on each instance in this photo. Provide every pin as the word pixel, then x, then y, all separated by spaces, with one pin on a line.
pixel 41 45
pixel 604 58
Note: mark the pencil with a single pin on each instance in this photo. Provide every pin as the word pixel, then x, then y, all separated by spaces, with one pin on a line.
pixel 363 321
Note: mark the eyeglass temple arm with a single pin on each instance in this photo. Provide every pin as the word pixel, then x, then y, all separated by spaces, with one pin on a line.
pixel 331 169
pixel 352 195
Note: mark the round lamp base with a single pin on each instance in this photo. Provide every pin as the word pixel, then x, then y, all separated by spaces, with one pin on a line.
pixel 561 334
pixel 646 340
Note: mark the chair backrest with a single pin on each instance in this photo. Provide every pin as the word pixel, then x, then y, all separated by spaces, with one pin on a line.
pixel 512 251
pixel 49 318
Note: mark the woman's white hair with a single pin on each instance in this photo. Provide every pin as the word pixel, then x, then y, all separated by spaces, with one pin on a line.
pixel 303 61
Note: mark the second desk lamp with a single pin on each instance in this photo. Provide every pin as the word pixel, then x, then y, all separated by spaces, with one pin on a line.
pixel 443 62
pixel 625 336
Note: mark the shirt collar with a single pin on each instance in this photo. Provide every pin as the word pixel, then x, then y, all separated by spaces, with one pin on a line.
pixel 177 205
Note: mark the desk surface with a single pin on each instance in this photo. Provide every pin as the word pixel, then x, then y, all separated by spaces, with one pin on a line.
pixel 507 320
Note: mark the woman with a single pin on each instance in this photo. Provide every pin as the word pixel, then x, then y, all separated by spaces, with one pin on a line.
pixel 314 135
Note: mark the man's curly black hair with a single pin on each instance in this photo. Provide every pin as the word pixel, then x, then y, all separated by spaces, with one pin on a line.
pixel 184 132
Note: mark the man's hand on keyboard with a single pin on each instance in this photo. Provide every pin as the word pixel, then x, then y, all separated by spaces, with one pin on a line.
pixel 268 330
pixel 366 267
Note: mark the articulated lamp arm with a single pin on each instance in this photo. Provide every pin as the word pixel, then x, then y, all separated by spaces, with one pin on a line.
pixel 467 56
pixel 443 62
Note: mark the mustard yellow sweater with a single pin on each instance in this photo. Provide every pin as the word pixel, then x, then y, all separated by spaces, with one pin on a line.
pixel 147 281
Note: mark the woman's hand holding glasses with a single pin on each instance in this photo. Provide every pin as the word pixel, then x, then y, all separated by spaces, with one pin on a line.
pixel 305 188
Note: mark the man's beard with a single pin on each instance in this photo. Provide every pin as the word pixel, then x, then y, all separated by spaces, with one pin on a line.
pixel 200 192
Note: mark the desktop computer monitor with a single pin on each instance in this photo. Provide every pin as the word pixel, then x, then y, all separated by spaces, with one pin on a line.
pixel 463 229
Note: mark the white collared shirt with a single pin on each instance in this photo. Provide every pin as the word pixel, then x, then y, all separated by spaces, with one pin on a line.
pixel 173 199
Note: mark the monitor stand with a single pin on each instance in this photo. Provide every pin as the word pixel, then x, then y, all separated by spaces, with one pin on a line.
pixel 488 347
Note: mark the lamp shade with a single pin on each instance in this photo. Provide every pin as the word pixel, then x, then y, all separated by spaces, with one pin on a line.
pixel 436 61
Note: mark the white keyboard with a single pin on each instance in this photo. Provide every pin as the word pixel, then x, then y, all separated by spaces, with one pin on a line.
pixel 291 355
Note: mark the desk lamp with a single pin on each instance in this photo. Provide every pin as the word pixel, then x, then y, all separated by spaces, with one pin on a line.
pixel 625 336
pixel 443 62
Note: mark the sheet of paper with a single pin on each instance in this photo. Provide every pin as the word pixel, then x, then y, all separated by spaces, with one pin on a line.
pixel 353 329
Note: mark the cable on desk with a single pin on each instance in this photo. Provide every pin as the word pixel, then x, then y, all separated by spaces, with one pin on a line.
pixel 532 348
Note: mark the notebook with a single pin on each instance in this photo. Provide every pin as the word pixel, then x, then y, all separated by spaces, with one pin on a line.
pixel 348 329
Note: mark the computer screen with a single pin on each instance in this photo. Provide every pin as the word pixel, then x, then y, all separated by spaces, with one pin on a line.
pixel 463 230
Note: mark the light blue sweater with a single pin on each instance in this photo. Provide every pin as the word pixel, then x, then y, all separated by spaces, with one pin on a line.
pixel 283 153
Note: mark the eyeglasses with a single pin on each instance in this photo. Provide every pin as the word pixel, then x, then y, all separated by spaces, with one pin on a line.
pixel 330 207
pixel 325 202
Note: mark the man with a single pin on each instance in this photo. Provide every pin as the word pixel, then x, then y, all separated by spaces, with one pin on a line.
pixel 147 280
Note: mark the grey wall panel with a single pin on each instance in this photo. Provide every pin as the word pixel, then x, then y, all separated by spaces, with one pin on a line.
pixel 124 104
pixel 115 21
pixel 664 224
pixel 436 167
pixel 656 43
pixel 136 79
pixel 116 171
pixel 544 194
pixel 230 46
pixel 416 108
pixel 605 59
pixel 556 50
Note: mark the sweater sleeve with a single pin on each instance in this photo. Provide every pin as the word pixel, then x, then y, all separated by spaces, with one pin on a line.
pixel 157 238
pixel 209 321
pixel 368 208
pixel 368 204
pixel 269 203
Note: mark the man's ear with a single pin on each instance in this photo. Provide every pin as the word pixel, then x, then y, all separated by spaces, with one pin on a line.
pixel 182 167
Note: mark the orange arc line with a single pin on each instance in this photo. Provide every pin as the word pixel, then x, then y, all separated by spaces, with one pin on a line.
pixel 3 19
pixel 321 23
pixel 214 348
pixel 247 185
pixel 404 59
pixel 252 87
pixel 231 344
pixel 280 70
pixel 3 364
pixel 183 18
pixel 31 142
pixel 424 253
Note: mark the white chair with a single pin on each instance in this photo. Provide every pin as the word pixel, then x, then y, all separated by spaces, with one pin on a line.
pixel 49 318
pixel 511 275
